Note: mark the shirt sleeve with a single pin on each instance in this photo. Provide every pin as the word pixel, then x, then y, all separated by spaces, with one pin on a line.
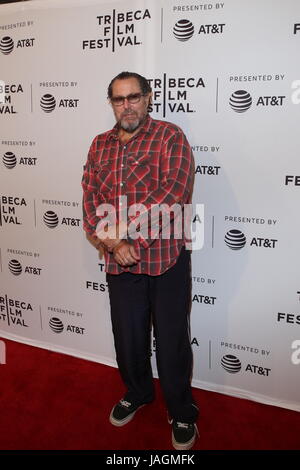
pixel 175 187
pixel 89 186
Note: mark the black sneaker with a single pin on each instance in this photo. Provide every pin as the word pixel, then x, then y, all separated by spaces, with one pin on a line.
pixel 123 412
pixel 183 435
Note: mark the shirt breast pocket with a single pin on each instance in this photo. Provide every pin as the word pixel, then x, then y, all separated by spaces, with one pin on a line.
pixel 138 172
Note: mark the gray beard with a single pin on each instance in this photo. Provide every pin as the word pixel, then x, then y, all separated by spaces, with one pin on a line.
pixel 130 127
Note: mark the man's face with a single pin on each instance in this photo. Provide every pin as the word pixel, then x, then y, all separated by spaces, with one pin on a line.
pixel 128 115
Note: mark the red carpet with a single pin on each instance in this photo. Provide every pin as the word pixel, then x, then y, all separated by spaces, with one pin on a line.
pixel 54 401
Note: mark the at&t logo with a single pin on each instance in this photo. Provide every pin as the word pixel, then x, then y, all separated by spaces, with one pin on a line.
pixel 236 240
pixel 48 103
pixel 233 365
pixel 7 44
pixel 10 160
pixel 207 170
pixel 57 326
pixel 204 299
pixel 183 30
pixel 16 269
pixel 240 101
pixel 51 220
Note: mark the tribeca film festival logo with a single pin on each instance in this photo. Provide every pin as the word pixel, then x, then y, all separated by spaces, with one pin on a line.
pixel 118 30
pixel 57 326
pixel 184 29
pixel 173 94
pixel 233 365
pixel 135 221
pixel 12 311
pixel 236 240
pixel 7 44
pixel 9 205
pixel 6 93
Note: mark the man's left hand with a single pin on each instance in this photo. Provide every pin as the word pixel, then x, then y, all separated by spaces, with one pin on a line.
pixel 125 254
pixel 112 236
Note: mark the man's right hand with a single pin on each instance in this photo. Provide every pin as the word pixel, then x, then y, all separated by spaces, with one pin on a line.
pixel 125 254
pixel 94 240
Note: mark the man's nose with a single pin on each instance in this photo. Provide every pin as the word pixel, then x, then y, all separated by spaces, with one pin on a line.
pixel 126 103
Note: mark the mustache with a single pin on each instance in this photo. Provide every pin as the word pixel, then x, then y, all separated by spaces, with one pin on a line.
pixel 128 113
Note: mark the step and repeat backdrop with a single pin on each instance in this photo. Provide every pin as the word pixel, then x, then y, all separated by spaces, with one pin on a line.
pixel 228 74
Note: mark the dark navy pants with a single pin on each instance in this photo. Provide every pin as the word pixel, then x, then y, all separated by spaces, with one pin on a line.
pixel 136 301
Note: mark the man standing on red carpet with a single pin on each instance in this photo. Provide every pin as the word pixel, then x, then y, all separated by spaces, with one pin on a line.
pixel 134 174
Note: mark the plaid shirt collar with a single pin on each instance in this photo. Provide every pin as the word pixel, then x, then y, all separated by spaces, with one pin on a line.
pixel 146 128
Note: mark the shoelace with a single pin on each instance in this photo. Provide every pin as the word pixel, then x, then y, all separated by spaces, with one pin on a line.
pixel 184 425
pixel 125 403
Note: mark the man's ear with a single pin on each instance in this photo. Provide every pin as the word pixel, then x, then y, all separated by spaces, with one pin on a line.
pixel 150 98
pixel 149 107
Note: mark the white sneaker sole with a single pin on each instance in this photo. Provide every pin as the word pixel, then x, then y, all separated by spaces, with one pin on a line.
pixel 186 446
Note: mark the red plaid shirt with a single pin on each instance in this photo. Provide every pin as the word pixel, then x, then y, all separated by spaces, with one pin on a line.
pixel 155 166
